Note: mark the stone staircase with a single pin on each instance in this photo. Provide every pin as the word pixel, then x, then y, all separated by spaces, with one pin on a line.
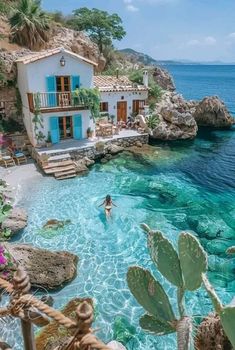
pixel 61 166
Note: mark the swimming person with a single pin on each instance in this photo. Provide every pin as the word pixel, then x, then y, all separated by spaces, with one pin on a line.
pixel 108 203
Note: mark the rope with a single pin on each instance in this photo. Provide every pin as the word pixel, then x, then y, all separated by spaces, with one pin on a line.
pixel 6 285
pixel 4 311
pixel 89 341
pixel 49 311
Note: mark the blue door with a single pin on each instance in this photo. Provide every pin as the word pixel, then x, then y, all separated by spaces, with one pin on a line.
pixel 51 88
pixel 77 127
pixel 54 129
pixel 75 82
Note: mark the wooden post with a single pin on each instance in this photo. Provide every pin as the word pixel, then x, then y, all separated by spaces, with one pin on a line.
pixel 28 335
pixel 22 286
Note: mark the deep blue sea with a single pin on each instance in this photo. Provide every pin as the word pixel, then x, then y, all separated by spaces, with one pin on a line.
pixel 198 81
pixel 179 186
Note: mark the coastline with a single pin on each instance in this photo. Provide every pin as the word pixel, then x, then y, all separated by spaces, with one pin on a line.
pixel 18 177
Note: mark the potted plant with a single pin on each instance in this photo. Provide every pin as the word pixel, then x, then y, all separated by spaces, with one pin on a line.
pixel 48 140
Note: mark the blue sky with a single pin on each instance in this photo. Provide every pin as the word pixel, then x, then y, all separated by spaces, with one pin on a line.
pixel 199 30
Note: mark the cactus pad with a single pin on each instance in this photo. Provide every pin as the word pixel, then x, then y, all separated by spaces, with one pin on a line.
pixel 193 260
pixel 149 294
pixel 165 257
pixel 152 325
pixel 227 317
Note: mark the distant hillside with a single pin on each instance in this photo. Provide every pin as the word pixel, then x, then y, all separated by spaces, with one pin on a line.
pixel 140 57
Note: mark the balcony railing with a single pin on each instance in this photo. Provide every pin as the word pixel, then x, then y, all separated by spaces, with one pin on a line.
pixel 47 101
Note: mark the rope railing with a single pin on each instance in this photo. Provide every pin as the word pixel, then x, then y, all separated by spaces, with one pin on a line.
pixel 31 310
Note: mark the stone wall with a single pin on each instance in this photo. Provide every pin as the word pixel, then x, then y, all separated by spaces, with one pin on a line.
pixel 94 152
pixel 8 99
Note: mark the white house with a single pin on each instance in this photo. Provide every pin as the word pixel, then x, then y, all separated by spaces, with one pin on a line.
pixel 47 81
pixel 120 97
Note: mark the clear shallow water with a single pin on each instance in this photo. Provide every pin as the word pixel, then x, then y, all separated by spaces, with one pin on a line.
pixel 186 186
pixel 184 183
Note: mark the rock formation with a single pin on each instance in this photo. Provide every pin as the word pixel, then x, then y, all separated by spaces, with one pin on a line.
pixel 175 118
pixel 211 111
pixel 163 79
pixel 46 269
pixel 16 220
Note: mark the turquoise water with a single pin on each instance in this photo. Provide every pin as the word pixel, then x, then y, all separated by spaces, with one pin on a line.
pixel 180 186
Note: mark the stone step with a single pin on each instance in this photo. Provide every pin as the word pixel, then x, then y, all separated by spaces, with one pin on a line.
pixel 59 158
pixel 62 173
pixel 66 177
pixel 58 164
pixel 59 169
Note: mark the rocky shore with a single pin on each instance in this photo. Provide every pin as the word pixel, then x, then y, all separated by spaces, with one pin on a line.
pixel 179 119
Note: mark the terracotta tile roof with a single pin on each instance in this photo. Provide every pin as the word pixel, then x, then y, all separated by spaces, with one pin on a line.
pixel 108 83
pixel 36 56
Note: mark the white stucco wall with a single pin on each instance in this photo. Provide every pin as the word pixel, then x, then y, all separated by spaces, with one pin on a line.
pixel 39 70
pixel 113 97
pixel 86 121
pixel 32 78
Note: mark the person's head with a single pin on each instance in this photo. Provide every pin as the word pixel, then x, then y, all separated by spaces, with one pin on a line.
pixel 108 198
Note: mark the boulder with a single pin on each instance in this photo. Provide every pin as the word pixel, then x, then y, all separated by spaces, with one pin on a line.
pixel 16 220
pixel 115 149
pixel 80 166
pixel 175 118
pixel 89 161
pixel 163 79
pixel 55 224
pixel 46 269
pixel 211 111
pixel 115 345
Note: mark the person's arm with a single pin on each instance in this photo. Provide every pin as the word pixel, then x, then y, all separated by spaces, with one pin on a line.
pixel 114 204
pixel 101 204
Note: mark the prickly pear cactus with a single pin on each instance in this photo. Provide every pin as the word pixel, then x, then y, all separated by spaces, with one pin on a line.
pixel 193 260
pixel 227 316
pixel 165 257
pixel 184 333
pixel 210 335
pixel 150 294
pixel 152 325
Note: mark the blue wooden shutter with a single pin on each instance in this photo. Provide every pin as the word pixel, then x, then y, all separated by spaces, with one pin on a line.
pixel 75 81
pixel 77 127
pixel 51 88
pixel 54 129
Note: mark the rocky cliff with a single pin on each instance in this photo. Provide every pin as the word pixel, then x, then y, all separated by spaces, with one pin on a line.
pixel 211 111
pixel 175 118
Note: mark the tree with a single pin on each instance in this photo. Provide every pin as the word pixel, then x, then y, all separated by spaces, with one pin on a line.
pixel 29 24
pixel 99 25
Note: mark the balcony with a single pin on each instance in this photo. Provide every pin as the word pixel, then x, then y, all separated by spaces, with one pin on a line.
pixel 47 102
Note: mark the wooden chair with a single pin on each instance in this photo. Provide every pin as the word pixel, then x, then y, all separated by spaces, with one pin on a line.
pixel 6 160
pixel 18 156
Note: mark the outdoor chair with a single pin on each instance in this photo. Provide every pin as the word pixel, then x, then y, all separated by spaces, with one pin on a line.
pixel 6 160
pixel 18 156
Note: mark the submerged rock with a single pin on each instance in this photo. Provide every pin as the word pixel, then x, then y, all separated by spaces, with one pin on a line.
pixel 56 224
pixel 115 149
pixel 115 345
pixel 16 220
pixel 45 268
pixel 211 111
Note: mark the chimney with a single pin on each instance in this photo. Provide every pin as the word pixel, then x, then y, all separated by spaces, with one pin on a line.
pixel 145 78
pixel 117 73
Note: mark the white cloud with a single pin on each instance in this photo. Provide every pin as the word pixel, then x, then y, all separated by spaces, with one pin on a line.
pixel 231 35
pixel 132 8
pixel 127 1
pixel 207 41
pixel 193 42
pixel 210 40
